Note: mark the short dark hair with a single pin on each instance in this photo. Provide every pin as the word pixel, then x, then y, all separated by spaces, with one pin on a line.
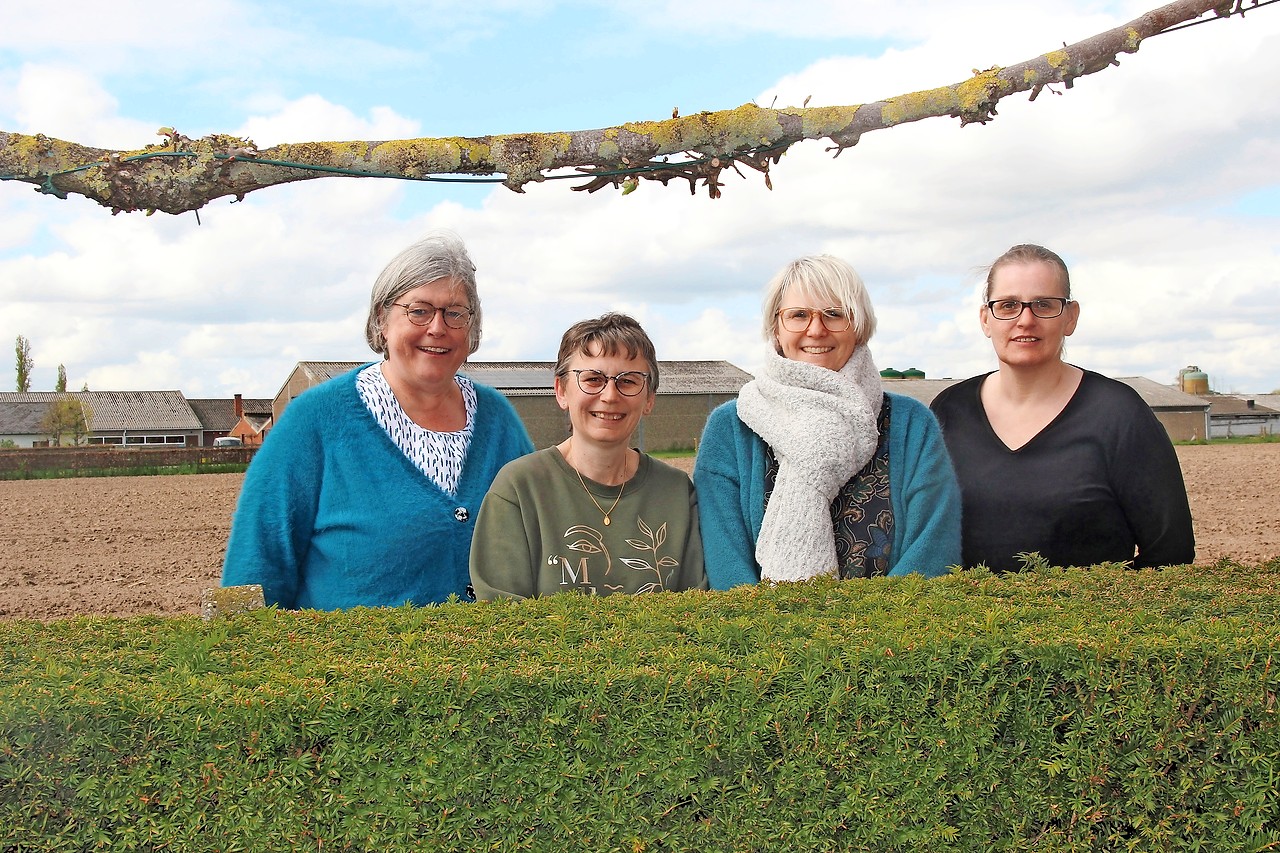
pixel 610 334
pixel 1029 253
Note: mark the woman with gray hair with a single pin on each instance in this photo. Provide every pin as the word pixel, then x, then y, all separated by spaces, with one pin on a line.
pixel 366 491
pixel 815 470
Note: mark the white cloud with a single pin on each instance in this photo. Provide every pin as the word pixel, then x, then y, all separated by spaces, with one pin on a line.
pixel 66 103
pixel 1131 176
pixel 313 118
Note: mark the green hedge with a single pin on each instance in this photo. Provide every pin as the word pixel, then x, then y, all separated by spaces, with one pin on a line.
pixel 1056 710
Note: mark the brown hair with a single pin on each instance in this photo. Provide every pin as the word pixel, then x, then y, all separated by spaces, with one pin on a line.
pixel 608 334
pixel 1030 253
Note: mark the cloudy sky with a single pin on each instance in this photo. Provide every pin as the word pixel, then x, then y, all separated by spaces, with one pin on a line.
pixel 1158 181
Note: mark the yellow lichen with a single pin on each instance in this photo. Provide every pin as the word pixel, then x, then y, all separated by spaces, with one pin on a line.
pixel 819 121
pixel 918 105
pixel 1132 39
pixel 1057 58
pixel 724 130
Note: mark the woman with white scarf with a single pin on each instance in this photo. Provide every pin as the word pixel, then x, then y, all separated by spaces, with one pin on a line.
pixel 816 471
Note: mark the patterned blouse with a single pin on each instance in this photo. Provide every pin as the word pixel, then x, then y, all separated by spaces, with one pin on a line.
pixel 439 455
pixel 862 512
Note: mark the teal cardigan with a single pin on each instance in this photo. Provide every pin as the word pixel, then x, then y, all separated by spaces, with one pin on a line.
pixel 730 474
pixel 333 515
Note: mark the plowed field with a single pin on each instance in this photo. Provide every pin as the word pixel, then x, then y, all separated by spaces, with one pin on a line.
pixel 149 545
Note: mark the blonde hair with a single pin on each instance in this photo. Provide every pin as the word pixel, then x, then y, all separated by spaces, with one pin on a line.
pixel 825 278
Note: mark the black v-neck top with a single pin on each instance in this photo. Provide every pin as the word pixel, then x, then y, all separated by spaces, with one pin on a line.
pixel 1100 483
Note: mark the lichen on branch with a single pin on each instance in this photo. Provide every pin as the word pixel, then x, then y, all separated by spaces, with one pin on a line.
pixel 181 174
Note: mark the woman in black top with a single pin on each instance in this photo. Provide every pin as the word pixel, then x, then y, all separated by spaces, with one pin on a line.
pixel 1051 458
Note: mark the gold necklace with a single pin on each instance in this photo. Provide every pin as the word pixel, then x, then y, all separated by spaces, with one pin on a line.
pixel 593 497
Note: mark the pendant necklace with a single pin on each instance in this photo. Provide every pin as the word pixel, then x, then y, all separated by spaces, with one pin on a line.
pixel 593 497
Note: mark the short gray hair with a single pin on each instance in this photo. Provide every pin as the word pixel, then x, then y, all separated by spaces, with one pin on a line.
pixel 825 278
pixel 440 254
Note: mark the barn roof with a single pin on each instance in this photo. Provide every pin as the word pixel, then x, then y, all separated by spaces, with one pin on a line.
pixel 1271 401
pixel 535 378
pixel 1157 396
pixel 116 410
pixel 323 371
pixel 20 416
pixel 1163 397
pixel 532 378
pixel 1231 404
pixel 220 413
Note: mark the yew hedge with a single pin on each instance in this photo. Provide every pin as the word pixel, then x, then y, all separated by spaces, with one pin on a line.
pixel 1056 710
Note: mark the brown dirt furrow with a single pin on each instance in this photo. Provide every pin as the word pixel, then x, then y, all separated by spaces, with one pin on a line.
pixel 149 545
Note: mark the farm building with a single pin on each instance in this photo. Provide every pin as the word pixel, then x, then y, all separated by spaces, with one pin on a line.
pixel 1185 417
pixel 133 418
pixel 687 392
pixel 245 419
pixel 1232 416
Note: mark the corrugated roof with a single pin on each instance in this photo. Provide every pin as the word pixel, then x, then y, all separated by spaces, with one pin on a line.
pixel 1232 404
pixel 114 411
pixel 1154 394
pixel 1159 396
pixel 150 410
pixel 512 376
pixel 24 416
pixel 923 390
pixel 529 378
pixel 220 413
pixel 323 371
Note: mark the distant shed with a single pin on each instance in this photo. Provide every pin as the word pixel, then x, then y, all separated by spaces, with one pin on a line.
pixel 1234 415
pixel 1185 417
pixel 146 418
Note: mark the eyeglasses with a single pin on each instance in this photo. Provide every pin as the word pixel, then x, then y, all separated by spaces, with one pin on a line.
pixel 1046 307
pixel 422 313
pixel 629 384
pixel 798 319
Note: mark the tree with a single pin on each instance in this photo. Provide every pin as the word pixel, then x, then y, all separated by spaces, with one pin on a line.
pixel 24 363
pixel 67 416
pixel 183 174
pixel 62 378
pixel 81 428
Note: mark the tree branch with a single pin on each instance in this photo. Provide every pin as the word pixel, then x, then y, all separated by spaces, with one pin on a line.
pixel 184 174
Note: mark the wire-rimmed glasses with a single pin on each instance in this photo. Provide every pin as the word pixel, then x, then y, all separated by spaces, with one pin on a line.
pixel 798 319
pixel 629 383
pixel 1046 307
pixel 422 313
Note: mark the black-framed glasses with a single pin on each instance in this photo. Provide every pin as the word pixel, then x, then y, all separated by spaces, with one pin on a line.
pixel 798 319
pixel 422 313
pixel 1046 307
pixel 629 383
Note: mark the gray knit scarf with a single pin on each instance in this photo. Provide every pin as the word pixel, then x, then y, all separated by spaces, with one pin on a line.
pixel 821 425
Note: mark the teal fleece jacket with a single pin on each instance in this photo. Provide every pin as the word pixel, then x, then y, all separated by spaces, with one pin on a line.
pixel 729 476
pixel 333 515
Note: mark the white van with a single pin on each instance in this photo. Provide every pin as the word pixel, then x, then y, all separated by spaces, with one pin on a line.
pixel 227 441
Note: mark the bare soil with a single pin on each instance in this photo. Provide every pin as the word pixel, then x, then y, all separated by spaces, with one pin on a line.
pixel 124 546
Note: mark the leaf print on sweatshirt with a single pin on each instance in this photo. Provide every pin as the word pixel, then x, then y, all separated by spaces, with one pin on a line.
pixel 656 540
